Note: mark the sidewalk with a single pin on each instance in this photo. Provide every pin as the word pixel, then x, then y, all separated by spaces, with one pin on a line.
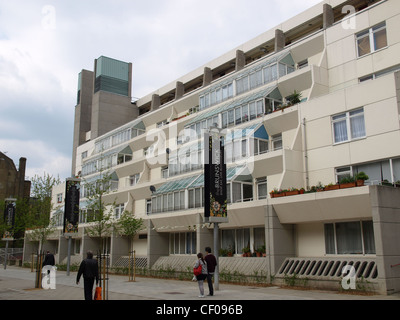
pixel 18 284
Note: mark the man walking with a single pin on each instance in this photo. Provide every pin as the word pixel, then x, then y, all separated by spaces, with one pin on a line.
pixel 211 264
pixel 89 268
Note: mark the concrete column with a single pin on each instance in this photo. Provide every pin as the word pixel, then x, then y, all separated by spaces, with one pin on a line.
pixel 204 236
pixel 157 244
pixel 328 16
pixel 90 244
pixel 207 77
pixel 279 40
pixel 279 238
pixel 240 60
pixel 180 90
pixel 155 102
pixel 62 249
pixel 385 206
pixel 119 247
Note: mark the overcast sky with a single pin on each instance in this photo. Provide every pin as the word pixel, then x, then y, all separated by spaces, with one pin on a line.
pixel 45 44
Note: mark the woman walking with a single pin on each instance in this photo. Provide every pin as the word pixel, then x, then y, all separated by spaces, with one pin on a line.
pixel 203 275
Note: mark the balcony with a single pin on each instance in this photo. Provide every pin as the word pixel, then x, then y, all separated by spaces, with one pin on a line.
pixel 341 204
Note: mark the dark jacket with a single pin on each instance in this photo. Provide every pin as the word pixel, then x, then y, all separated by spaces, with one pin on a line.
pixel 49 260
pixel 211 262
pixel 89 268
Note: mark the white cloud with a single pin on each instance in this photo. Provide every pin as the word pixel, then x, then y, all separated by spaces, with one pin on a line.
pixel 41 158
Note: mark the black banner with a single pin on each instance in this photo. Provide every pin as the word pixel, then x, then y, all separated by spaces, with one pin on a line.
pixel 215 197
pixel 71 209
pixel 9 218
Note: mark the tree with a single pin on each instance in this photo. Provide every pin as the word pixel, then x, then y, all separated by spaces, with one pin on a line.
pixel 99 214
pixel 129 225
pixel 36 216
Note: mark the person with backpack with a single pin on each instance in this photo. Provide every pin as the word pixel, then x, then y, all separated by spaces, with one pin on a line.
pixel 200 264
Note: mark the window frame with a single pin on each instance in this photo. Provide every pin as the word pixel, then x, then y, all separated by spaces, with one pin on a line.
pixel 370 34
pixel 347 116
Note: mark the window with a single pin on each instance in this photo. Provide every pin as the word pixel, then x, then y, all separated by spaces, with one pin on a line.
pixel 148 206
pixel 348 126
pixel 262 188
pixel 342 173
pixel 59 197
pixel 119 209
pixel 134 179
pixel 371 40
pixel 350 238
pixel 164 172
pixel 276 142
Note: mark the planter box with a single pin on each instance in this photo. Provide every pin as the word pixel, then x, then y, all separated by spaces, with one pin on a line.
pixel 360 183
pixel 292 193
pixel 334 187
pixel 281 194
pixel 347 185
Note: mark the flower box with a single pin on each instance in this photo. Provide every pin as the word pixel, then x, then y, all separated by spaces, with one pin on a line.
pixel 347 185
pixel 332 187
pixel 292 193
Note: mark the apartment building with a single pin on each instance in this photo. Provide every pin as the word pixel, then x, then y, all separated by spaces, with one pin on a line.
pixel 301 107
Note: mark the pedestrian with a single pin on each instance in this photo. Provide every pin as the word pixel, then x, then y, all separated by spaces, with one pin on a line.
pixel 89 268
pixel 49 259
pixel 203 275
pixel 211 264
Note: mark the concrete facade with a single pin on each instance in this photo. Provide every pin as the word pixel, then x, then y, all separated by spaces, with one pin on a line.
pixel 345 122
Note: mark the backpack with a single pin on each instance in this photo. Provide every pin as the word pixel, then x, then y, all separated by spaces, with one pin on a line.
pixel 197 271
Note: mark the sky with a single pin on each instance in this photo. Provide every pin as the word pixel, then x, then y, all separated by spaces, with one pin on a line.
pixel 44 45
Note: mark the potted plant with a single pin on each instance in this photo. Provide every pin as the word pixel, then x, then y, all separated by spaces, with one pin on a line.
pixel 320 187
pixel 223 252
pixel 246 252
pixel 347 182
pixel 360 178
pixel 230 251
pixel 387 183
pixel 277 193
pixel 260 251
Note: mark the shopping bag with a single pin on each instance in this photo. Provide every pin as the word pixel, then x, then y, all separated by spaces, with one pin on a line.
pixel 97 293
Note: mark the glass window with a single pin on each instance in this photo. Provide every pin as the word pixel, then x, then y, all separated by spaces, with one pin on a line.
pixel 252 110
pixel 379 35
pixel 263 146
pixel 236 192
pixel 340 128
pixel 231 117
pixel 372 39
pixel 368 237
pixel 348 126
pixel 247 192
pixel 245 113
pixel 357 124
pixel 277 142
pixel 329 239
pixel 363 43
pixel 262 188
pixel 191 198
pixel 224 120
pixel 350 238
pixel 238 115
